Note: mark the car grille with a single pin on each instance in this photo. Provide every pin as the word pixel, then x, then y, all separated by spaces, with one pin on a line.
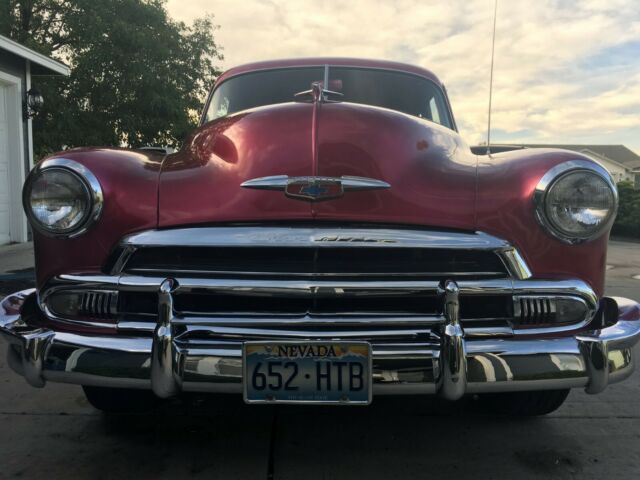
pixel 263 282
pixel 324 306
pixel 315 262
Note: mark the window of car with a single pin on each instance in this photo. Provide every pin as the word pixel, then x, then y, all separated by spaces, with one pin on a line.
pixel 267 87
pixel 394 90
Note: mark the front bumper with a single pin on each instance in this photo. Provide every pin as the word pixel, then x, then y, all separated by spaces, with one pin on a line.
pixel 447 364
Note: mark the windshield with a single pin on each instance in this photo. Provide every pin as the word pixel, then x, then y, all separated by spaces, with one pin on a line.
pixel 398 91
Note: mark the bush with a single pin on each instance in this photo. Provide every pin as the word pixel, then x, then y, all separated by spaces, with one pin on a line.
pixel 628 219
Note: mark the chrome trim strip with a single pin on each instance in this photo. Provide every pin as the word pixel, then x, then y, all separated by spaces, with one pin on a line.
pixel 122 259
pixel 323 237
pixel 515 264
pixel 555 174
pixel 340 186
pixel 241 334
pixel 274 182
pixel 307 321
pixel 296 288
pixel 126 326
pixel 186 272
pixel 88 179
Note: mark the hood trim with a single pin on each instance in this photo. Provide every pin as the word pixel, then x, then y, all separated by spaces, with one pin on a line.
pixel 315 188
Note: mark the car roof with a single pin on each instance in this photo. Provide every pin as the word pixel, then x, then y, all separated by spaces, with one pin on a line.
pixel 331 61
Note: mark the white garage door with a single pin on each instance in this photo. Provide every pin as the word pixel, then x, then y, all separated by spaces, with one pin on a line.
pixel 5 191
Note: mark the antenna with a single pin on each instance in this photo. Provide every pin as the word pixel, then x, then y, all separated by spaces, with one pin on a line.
pixel 493 48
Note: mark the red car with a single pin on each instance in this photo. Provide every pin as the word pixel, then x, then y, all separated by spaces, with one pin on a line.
pixel 324 236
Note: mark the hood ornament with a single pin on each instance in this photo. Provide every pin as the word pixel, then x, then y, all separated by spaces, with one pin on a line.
pixel 315 189
pixel 318 94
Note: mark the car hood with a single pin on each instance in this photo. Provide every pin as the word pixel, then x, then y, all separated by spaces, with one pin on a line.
pixel 430 170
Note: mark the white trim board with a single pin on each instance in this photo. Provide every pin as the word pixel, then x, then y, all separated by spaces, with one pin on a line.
pixel 34 56
pixel 17 219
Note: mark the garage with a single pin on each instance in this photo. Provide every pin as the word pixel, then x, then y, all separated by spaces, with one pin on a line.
pixel 18 67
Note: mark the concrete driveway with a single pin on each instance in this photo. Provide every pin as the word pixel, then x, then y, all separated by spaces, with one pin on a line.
pixel 54 433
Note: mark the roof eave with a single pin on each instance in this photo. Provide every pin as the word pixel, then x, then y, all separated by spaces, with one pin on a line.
pixel 53 66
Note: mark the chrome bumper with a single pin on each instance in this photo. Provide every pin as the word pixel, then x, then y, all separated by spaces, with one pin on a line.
pixel 447 364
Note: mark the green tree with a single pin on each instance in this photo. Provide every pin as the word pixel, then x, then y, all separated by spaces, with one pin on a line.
pixel 628 219
pixel 137 76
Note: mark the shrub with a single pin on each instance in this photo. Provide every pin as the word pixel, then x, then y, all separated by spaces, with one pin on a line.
pixel 628 219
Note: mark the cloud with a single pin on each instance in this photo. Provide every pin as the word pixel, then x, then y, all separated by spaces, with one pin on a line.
pixel 564 71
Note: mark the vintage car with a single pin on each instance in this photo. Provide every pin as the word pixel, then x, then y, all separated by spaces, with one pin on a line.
pixel 324 236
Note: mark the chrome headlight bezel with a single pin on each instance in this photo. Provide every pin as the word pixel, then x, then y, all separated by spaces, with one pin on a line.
pixel 550 178
pixel 90 184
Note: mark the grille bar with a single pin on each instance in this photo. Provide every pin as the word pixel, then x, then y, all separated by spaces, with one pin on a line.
pixel 99 304
pixel 308 321
pixel 220 333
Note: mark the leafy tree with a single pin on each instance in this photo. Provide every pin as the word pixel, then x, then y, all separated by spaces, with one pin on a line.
pixel 137 76
pixel 628 219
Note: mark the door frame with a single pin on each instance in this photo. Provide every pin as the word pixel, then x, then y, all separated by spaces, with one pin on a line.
pixel 15 130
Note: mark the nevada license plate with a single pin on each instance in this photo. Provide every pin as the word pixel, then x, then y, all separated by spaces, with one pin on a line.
pixel 307 372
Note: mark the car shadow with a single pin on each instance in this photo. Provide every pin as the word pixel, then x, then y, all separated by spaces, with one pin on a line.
pixel 397 437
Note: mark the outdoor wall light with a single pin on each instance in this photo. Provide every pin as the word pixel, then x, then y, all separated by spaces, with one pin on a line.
pixel 34 102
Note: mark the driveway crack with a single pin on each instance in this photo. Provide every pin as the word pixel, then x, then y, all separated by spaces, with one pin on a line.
pixel 272 445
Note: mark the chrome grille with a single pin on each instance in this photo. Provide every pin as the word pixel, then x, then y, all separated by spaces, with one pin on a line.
pixel 265 282
pixel 99 304
pixel 262 277
pixel 536 310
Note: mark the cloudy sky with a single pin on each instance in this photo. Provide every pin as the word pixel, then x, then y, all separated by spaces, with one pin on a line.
pixel 565 71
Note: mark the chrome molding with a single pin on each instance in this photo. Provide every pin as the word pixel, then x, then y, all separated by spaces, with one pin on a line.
pixel 316 188
pixel 323 237
pixel 88 180
pixel 349 183
pixel 515 264
pixel 555 174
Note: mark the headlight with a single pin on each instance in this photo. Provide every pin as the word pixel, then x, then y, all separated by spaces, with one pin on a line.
pixel 62 197
pixel 576 201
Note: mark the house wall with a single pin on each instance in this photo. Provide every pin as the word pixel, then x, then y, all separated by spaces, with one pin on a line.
pixel 618 172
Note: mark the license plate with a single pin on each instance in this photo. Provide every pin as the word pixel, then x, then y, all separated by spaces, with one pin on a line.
pixel 307 372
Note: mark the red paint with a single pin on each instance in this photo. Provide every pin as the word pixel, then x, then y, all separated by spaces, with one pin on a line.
pixel 506 183
pixel 129 180
pixel 201 183
pixel 436 182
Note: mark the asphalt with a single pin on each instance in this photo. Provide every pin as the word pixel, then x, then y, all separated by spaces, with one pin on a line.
pixel 54 433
